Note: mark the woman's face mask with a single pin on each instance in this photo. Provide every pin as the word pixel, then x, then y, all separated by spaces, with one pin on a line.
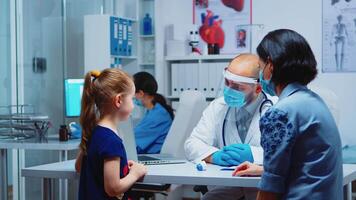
pixel 267 85
pixel 137 102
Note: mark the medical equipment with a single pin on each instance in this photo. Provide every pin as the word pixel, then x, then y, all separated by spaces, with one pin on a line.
pixel 194 42
pixel 201 166
pixel 22 122
pixel 211 30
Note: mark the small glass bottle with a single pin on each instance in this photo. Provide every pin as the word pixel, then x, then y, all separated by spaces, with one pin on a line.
pixel 63 133
pixel 147 25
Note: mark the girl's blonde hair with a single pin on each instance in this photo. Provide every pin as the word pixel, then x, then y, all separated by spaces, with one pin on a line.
pixel 100 89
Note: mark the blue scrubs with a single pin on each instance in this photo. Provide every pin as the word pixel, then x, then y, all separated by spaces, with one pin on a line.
pixel 302 147
pixel 152 130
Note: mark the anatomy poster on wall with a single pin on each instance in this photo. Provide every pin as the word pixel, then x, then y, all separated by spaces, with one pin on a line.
pixel 339 36
pixel 224 23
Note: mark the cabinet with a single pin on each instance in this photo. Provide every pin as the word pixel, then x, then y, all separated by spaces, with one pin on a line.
pixel 117 39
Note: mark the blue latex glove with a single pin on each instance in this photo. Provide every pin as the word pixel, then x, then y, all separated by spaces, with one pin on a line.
pixel 76 130
pixel 239 152
pixel 223 159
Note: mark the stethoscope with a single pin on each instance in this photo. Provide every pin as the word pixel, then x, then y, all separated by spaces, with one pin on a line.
pixel 265 102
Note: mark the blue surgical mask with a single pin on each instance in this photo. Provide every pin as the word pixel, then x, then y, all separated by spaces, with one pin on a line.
pixel 137 102
pixel 267 86
pixel 234 98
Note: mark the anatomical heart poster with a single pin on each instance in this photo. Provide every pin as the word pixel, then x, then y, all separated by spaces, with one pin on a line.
pixel 339 36
pixel 224 23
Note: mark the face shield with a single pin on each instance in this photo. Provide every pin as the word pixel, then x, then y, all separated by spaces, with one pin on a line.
pixel 237 90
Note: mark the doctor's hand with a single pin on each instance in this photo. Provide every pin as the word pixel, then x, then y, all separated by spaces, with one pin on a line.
pixel 223 159
pixel 239 152
pixel 248 169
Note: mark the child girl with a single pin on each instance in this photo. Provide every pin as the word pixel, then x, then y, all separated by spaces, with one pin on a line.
pixel 105 172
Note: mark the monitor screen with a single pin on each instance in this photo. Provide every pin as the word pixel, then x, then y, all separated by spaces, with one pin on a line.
pixel 73 90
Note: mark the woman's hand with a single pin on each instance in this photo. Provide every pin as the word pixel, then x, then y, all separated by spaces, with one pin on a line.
pixel 248 169
pixel 137 169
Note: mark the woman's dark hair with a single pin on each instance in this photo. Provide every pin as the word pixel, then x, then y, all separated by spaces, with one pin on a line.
pixel 147 83
pixel 291 56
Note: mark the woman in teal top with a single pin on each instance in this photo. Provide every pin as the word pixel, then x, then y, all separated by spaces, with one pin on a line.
pixel 152 130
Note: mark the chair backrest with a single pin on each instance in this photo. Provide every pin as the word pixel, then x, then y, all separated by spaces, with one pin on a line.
pixel 330 99
pixel 188 114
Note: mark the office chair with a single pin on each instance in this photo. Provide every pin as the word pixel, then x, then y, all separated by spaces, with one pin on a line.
pixel 191 107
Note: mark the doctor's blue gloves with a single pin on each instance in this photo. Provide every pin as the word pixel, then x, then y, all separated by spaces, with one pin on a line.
pixel 223 159
pixel 233 155
pixel 239 152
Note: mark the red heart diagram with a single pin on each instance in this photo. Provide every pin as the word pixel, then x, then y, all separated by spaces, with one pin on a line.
pixel 237 5
pixel 211 31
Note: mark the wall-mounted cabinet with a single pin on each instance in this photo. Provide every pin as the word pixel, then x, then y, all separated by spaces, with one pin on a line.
pixel 109 42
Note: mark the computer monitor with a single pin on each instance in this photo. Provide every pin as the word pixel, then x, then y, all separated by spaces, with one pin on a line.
pixel 73 90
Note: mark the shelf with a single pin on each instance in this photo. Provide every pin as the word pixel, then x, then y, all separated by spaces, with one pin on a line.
pixel 127 18
pixel 147 36
pixel 147 63
pixel 204 57
pixel 126 57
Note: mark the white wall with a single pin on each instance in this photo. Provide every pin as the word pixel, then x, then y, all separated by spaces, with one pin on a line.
pixel 303 16
pixel 178 12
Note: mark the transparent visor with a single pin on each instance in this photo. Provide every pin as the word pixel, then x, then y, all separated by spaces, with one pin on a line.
pixel 235 82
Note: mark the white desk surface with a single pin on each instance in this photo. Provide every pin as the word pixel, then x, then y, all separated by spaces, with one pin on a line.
pixel 52 143
pixel 170 174
pixel 349 173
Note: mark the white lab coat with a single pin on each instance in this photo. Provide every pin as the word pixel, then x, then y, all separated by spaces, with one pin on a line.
pixel 206 137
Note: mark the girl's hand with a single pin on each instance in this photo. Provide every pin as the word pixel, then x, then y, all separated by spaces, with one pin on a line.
pixel 248 169
pixel 130 163
pixel 137 169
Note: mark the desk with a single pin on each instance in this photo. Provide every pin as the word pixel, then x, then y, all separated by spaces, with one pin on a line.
pixel 168 174
pixel 52 143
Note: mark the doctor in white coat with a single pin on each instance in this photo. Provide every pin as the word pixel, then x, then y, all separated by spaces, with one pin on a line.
pixel 228 132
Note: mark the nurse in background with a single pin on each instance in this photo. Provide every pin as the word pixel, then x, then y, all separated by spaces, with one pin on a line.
pixel 152 130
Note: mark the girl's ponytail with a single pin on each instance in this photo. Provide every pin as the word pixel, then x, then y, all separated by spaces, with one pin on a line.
pixel 88 117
